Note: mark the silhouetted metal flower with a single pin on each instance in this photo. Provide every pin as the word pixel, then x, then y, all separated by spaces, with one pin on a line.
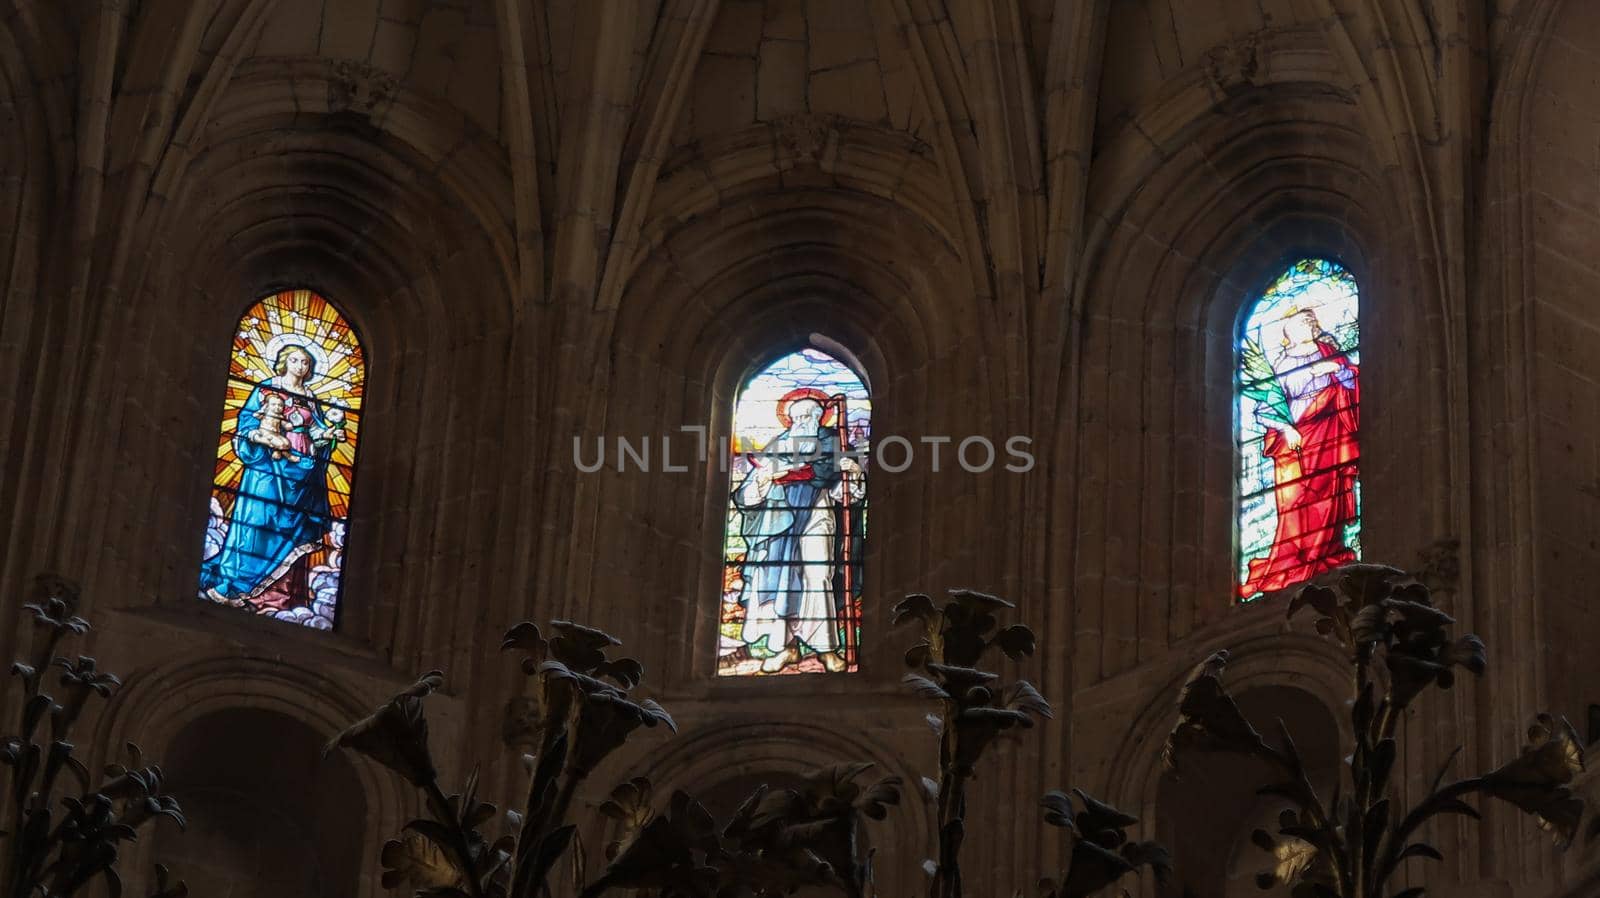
pixel 82 675
pixel 1339 595
pixel 1538 780
pixel 139 787
pixel 604 715
pixel 1208 718
pixel 527 638
pixel 420 864
pixel 80 679
pixel 1296 862
pixel 396 735
pixel 58 599
pixel 667 853
pixel 50 855
pixel 1101 851
pixel 972 712
pixel 959 634
pixel 782 838
pixel 629 805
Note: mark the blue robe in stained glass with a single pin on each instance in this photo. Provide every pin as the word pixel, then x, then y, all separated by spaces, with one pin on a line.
pixel 281 511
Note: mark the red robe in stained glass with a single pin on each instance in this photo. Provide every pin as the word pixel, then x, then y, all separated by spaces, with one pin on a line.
pixel 1315 481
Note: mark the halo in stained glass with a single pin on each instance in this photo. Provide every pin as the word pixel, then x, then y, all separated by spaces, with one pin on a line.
pixel 1298 437
pixel 286 457
pixel 796 520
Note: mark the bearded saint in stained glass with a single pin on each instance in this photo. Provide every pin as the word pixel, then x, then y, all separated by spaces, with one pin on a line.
pixel 792 587
pixel 1305 394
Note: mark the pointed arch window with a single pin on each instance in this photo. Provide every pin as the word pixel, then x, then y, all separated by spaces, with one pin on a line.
pixel 796 519
pixel 286 457
pixel 1299 446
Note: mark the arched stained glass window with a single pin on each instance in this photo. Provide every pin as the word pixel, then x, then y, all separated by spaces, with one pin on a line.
pixel 796 522
pixel 1299 402
pixel 286 456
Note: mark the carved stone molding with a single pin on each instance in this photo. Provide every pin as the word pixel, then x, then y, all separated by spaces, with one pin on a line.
pixel 808 140
pixel 1439 565
pixel 1236 66
pixel 357 87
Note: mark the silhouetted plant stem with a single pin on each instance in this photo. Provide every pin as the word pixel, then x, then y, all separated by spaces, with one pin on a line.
pixel 1351 847
pixel 447 816
pixel 60 842
pixel 558 812
pixel 952 809
pixel 529 845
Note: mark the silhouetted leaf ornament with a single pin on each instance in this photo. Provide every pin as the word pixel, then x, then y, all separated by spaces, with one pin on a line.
pixel 1296 862
pixel 396 735
pixel 416 862
pixel 629 805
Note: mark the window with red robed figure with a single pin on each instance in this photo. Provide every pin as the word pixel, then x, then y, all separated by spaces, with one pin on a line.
pixel 1299 448
pixel 796 520
pixel 286 455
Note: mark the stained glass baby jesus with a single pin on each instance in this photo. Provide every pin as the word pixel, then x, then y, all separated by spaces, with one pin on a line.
pixel 289 428
pixel 793 500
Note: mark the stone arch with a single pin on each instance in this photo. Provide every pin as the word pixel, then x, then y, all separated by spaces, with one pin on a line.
pixel 266 816
pixel 1208 818
pixel 158 706
pixel 729 752
pixel 1262 661
pixel 720 287
pixel 699 178
pixel 1264 658
pixel 36 133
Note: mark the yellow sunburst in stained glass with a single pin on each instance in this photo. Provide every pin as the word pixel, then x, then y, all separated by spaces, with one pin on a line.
pixel 301 318
pixel 286 453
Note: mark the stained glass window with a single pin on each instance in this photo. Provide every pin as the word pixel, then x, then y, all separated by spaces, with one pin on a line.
pixel 1299 399
pixel 286 455
pixel 797 517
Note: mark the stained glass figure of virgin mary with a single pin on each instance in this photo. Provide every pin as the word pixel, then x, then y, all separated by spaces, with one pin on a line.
pixel 1299 400
pixel 274 543
pixel 796 520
